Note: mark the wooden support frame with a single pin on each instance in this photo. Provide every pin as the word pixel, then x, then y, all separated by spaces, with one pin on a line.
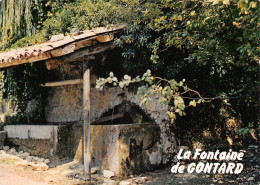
pixel 86 120
pixel 82 54
pixel 58 48
pixel 62 83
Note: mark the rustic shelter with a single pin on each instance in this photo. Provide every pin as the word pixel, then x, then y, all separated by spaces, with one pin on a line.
pixel 119 147
pixel 55 53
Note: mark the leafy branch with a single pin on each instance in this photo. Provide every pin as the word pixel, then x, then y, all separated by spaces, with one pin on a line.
pixel 171 93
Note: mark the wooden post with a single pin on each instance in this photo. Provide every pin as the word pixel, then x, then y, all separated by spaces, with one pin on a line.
pixel 86 120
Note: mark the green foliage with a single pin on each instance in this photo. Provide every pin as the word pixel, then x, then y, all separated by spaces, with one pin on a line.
pixel 246 130
pixel 21 85
pixel 171 93
pixel 19 19
pixel 213 44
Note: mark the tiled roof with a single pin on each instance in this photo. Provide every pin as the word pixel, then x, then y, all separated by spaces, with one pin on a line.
pixel 58 45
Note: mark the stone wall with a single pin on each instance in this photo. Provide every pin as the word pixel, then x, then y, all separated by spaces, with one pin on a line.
pixel 124 149
pixel 2 138
pixel 158 112
pixel 48 141
pixel 64 104
pixel 131 148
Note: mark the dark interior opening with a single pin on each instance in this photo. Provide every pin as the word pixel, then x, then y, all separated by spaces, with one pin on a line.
pixel 125 113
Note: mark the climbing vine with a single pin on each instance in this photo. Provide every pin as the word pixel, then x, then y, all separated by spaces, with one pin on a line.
pixel 21 85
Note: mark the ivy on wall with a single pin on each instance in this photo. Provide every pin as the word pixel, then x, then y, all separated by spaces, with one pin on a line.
pixel 21 86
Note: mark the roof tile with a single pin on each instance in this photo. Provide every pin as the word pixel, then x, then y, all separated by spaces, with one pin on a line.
pixel 57 41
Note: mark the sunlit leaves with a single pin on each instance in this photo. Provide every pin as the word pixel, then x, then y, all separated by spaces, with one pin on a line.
pixel 170 94
pixel 192 103
pixel 218 37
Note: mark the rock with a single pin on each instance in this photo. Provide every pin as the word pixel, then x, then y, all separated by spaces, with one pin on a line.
pixel 74 31
pixel 21 163
pixel 68 173
pixel 95 169
pixel 21 152
pixel 144 179
pixel 125 183
pixel 41 160
pixel 139 181
pixel 6 148
pixel 19 155
pixel 12 151
pixel 108 174
pixel 25 155
pixel 29 158
pixel 110 182
pixel 36 159
pixel 250 179
pixel 32 164
pixel 55 38
pixel 42 167
pixel 46 161
pixel 149 178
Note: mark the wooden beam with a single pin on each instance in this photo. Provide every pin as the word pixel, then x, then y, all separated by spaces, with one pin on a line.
pixel 71 48
pixel 61 83
pixel 64 49
pixel 105 38
pixel 86 120
pixel 79 55
pixel 107 118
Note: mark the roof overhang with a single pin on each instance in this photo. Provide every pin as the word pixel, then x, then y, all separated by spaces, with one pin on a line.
pixel 60 48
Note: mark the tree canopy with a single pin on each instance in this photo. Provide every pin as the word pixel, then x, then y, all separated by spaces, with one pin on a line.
pixel 213 44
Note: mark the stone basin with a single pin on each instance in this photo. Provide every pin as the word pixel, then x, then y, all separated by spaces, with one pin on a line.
pixel 124 149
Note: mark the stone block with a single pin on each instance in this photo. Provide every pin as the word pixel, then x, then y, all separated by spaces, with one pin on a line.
pixel 124 149
pixel 108 174
pixel 48 141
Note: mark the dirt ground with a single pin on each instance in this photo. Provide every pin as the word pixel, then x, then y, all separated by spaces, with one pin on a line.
pixel 11 174
pixel 69 174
